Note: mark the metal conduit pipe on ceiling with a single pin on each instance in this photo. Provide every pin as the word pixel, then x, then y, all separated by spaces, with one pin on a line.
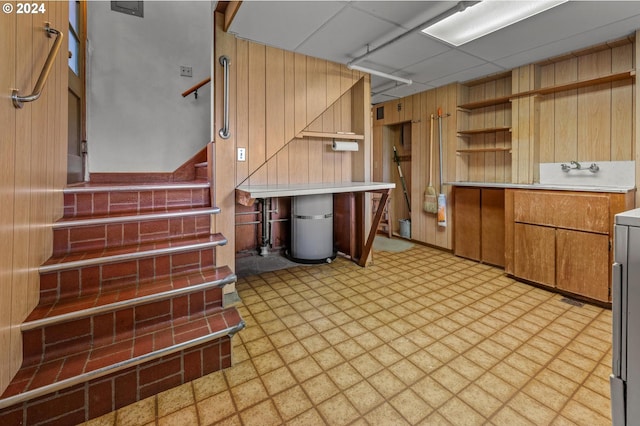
pixel 459 7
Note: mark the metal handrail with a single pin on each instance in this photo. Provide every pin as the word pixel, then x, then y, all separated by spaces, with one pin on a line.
pixel 224 132
pixel 37 90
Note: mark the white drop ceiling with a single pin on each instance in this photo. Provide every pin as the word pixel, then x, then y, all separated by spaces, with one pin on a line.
pixel 340 31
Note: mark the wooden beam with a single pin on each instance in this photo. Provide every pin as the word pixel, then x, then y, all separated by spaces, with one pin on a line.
pixel 230 13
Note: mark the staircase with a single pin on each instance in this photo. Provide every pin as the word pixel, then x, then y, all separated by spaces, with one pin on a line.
pixel 131 303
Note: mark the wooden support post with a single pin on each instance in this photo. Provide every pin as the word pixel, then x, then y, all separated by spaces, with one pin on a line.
pixel 374 226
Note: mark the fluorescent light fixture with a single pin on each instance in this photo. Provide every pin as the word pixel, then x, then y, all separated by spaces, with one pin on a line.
pixel 379 74
pixel 486 17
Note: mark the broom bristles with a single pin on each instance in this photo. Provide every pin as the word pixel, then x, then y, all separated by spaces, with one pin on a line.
pixel 430 200
pixel 431 204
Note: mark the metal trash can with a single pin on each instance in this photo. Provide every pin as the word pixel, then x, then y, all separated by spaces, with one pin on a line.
pixel 312 229
pixel 405 228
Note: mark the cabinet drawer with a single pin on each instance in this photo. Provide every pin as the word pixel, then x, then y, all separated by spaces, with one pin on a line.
pixel 570 210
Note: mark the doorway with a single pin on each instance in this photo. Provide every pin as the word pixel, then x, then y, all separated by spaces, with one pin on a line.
pixel 76 153
pixel 385 168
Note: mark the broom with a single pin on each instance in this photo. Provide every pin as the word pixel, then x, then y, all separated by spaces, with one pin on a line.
pixel 442 201
pixel 430 197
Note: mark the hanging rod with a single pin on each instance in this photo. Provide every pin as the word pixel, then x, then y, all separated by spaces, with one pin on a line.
pixel 380 74
pixel 44 74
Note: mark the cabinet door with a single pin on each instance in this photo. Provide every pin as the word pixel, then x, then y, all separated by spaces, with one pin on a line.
pixel 583 264
pixel 535 253
pixel 492 233
pixel 466 218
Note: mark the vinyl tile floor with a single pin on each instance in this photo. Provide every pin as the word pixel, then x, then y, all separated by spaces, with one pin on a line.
pixel 420 337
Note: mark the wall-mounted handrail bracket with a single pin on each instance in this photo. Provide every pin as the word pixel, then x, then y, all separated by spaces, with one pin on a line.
pixel 44 74
pixel 224 132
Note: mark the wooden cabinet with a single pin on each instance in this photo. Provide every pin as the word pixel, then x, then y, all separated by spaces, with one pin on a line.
pixel 562 239
pixel 479 224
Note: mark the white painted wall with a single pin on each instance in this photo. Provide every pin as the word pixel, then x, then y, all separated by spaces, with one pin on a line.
pixel 137 121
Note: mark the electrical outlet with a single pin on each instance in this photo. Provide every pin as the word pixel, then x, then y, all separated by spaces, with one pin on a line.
pixel 242 154
pixel 186 71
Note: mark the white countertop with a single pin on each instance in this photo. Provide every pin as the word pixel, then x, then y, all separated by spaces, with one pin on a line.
pixel 548 187
pixel 292 190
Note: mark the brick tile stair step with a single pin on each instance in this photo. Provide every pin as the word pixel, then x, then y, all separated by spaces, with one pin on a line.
pixel 144 346
pixel 63 329
pixel 72 307
pixel 130 252
pixel 90 199
pixel 110 269
pixel 77 234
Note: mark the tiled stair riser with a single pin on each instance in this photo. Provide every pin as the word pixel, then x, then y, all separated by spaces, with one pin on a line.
pixel 88 203
pixel 108 277
pixel 202 171
pixel 93 237
pixel 138 323
pixel 105 394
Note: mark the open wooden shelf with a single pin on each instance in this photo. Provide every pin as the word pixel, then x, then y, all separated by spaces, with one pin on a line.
pixel 578 84
pixel 481 131
pixel 485 103
pixel 630 74
pixel 474 150
pixel 325 135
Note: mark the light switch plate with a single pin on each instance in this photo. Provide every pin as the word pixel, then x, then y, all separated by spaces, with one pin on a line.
pixel 242 154
pixel 186 71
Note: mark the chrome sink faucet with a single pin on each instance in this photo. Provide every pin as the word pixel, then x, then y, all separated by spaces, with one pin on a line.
pixel 593 168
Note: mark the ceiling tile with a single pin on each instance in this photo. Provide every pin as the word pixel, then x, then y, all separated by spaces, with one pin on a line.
pixel 346 33
pixel 403 13
pixel 442 65
pixel 413 49
pixel 283 24
pixel 467 74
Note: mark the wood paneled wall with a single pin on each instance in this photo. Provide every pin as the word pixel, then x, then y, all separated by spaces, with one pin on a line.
pixel 274 95
pixel 33 153
pixel 594 123
pixel 525 148
pixel 311 159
